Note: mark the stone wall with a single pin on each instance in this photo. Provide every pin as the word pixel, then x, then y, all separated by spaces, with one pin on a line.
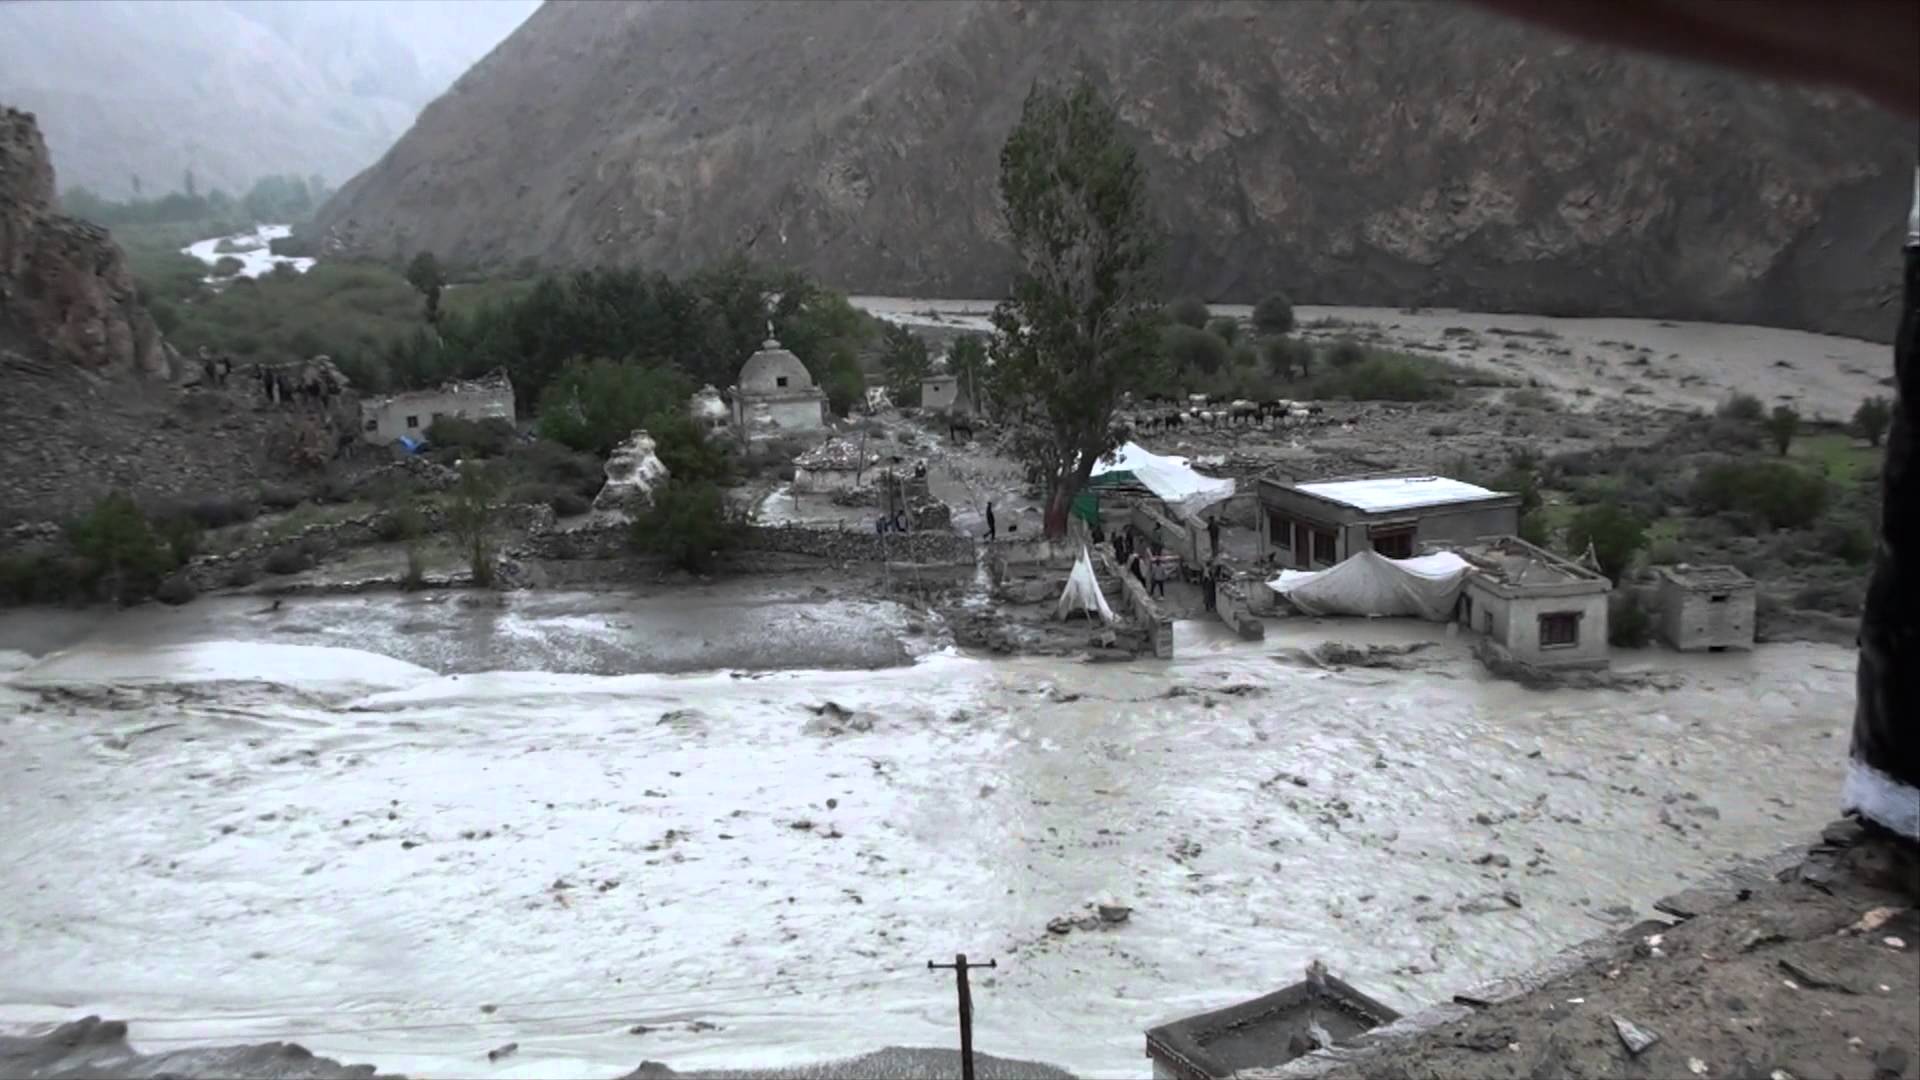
pixel 1144 612
pixel 836 545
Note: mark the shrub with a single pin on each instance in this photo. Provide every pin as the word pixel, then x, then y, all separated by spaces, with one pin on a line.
pixel 1245 357
pixel 1782 424
pixel 1742 407
pixel 1778 493
pixel 1535 530
pixel 227 266
pixel 416 575
pixel 1193 351
pixel 1871 419
pixel 476 438
pixel 551 463
pixel 1273 315
pixel 220 512
pixel 689 524
pixel 594 405
pixel 403 522
pixel 241 576
pixel 44 577
pixel 1849 541
pixel 286 560
pixel 1629 623
pixel 1523 482
pixel 1189 311
pixel 1528 397
pixel 1345 353
pixel 1614 533
pixel 1381 377
pixel 121 548
pixel 470 518
pixel 1227 330
pixel 568 504
pixel 1288 358
pixel 176 590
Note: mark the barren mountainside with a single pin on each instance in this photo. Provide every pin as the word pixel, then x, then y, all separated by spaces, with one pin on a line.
pixel 1357 153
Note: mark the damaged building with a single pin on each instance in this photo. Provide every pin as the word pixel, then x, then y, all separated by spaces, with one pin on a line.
pixel 1538 608
pixel 410 415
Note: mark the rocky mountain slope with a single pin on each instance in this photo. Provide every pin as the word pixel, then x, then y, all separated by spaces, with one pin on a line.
pixel 1359 153
pixel 233 89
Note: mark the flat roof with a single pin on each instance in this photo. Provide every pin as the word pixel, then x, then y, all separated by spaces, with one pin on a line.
pixel 1706 576
pixel 1379 493
pixel 1513 561
pixel 1258 1033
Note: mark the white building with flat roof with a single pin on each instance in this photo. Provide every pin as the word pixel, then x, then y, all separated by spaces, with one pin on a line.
pixel 1315 524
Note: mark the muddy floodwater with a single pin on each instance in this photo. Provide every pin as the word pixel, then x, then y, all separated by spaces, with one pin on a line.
pixel 408 832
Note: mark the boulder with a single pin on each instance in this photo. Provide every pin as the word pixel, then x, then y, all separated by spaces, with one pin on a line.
pixel 634 474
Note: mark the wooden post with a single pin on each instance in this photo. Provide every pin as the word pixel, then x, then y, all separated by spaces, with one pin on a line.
pixel 960 967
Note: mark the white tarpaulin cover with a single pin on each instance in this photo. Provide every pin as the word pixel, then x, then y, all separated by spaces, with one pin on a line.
pixel 1169 478
pixel 1369 583
pixel 1083 593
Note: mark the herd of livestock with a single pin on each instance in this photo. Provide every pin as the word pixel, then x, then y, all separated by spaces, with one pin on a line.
pixel 1171 414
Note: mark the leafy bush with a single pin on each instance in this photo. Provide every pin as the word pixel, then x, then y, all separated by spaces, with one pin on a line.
pixel 44 577
pixel 1288 357
pixel 1380 377
pixel 1629 623
pixel 228 265
pixel 548 462
pixel 1190 311
pixel 1849 541
pixel 176 590
pixel 1227 330
pixel 471 515
pixel 403 522
pixel 1782 424
pixel 1523 482
pixel 689 524
pixel 1782 495
pixel 1871 419
pixel 1273 315
pixel 241 576
pixel 594 405
pixel 1535 530
pixel 220 512
pixel 1193 351
pixel 486 438
pixel 1614 533
pixel 123 552
pixel 568 504
pixel 1742 407
pixel 281 496
pixel 1345 353
pixel 416 575
pixel 286 560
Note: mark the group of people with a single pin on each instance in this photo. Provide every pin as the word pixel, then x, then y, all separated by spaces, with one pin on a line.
pixel 1152 565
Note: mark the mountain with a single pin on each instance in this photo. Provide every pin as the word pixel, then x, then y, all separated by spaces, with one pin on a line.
pixel 1357 153
pixel 233 89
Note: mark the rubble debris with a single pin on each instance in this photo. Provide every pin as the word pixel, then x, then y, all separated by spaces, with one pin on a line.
pixel 499 1052
pixel 1814 979
pixel 1634 1037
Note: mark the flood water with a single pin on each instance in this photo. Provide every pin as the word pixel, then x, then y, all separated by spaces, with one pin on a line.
pixel 388 837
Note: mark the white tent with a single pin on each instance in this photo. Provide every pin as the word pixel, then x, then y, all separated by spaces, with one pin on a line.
pixel 1082 593
pixel 1170 479
pixel 1369 583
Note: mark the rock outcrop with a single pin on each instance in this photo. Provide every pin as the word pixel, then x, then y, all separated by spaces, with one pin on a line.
pixel 65 292
pixel 1377 153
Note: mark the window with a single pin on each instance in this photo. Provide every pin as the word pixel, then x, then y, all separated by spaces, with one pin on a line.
pixel 373 425
pixel 780 380
pixel 413 421
pixel 1323 546
pixel 1560 630
pixel 1720 599
pixel 1394 541
pixel 1280 530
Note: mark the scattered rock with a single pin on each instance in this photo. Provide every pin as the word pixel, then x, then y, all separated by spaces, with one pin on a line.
pixel 1492 859
pixel 1512 898
pixel 1814 979
pixel 499 1052
pixel 1634 1037
pixel 1115 913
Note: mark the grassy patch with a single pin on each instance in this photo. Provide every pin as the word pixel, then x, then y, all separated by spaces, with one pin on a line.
pixel 1843 458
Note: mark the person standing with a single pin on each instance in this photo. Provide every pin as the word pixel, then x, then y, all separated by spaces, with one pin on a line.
pixel 1159 575
pixel 1209 589
pixel 1213 534
pixel 992 528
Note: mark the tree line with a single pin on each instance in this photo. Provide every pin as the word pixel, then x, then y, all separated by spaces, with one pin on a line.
pixel 274 199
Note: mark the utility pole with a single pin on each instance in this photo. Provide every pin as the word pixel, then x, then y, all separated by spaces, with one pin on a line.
pixel 960 967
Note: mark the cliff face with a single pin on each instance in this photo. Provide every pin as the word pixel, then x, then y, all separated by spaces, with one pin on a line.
pixel 65 293
pixel 1358 153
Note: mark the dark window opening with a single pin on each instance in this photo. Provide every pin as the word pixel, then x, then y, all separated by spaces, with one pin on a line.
pixel 1466 609
pixel 373 425
pixel 780 380
pixel 1394 543
pixel 413 421
pixel 1560 630
pixel 1323 546
pixel 1280 528
pixel 1720 599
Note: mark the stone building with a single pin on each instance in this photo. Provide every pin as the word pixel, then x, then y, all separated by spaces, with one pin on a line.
pixel 940 392
pixel 1306 526
pixel 1706 607
pixel 777 396
pixel 1538 608
pixel 382 420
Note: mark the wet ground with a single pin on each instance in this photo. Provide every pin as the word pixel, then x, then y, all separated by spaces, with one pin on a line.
pixel 399 844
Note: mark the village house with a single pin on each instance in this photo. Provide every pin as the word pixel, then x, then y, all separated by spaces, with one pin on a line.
pixel 1316 524
pixel 777 396
pixel 835 465
pixel 1706 607
pixel 409 415
pixel 1263 1033
pixel 1536 607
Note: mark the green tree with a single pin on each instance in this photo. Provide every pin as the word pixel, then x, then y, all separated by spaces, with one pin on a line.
pixel 1871 419
pixel 1189 311
pixel 1273 315
pixel 1743 407
pixel 1782 424
pixel 967 359
pixel 1288 357
pixel 471 514
pixel 689 524
pixel 425 275
pixel 594 405
pixel 1082 323
pixel 1346 353
pixel 1227 330
pixel 1193 352
pixel 903 357
pixel 1615 535
pixel 121 549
